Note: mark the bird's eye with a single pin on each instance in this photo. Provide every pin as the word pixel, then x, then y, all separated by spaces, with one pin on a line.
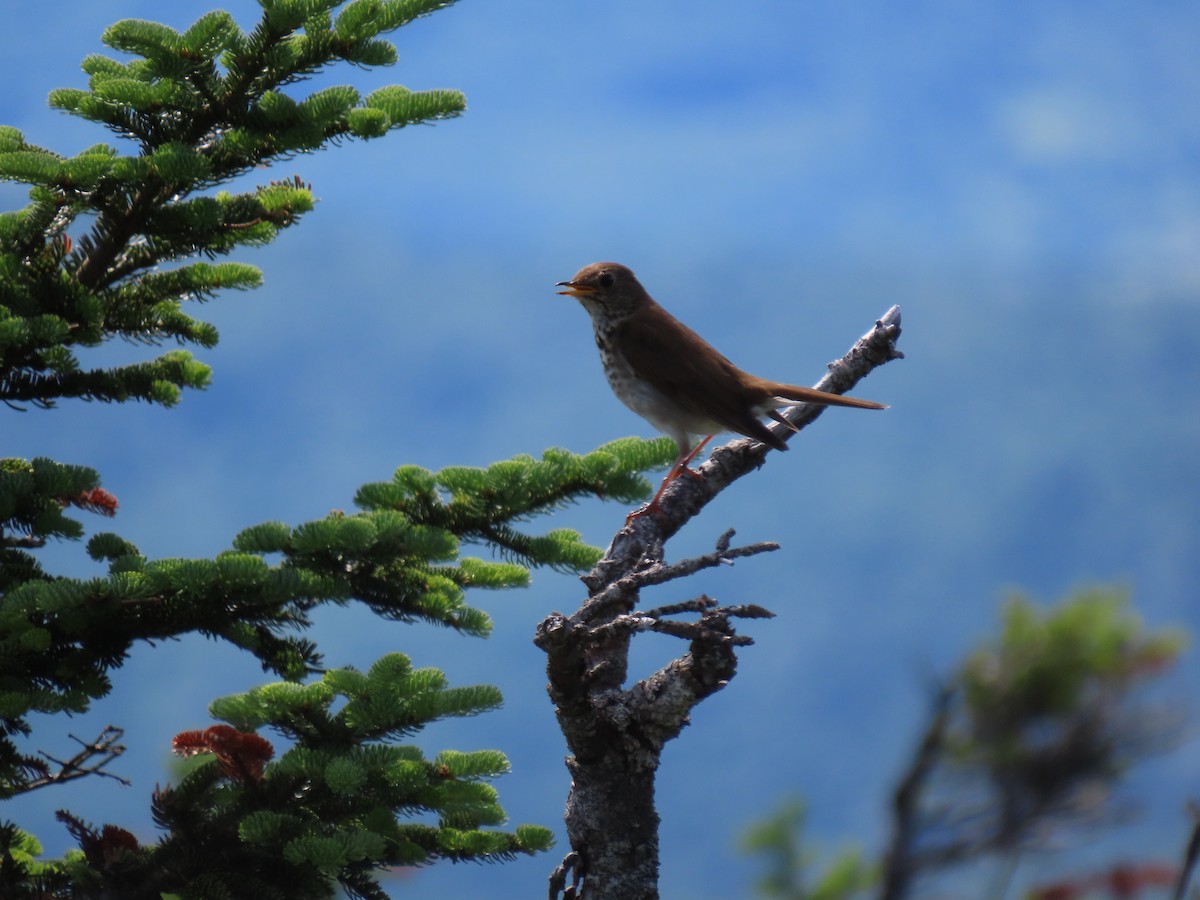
pixel 606 279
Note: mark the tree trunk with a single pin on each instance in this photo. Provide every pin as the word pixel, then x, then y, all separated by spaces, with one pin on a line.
pixel 610 811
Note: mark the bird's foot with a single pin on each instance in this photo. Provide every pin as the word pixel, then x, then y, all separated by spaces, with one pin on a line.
pixel 653 506
pixel 641 511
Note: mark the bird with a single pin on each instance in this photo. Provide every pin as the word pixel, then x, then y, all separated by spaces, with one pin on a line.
pixel 674 379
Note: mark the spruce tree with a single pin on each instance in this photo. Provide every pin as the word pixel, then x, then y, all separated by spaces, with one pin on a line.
pixel 303 785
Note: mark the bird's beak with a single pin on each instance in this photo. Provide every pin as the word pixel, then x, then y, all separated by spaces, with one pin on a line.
pixel 575 290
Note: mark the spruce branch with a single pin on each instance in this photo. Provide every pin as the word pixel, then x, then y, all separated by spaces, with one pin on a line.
pixel 400 557
pixel 615 733
pixel 203 107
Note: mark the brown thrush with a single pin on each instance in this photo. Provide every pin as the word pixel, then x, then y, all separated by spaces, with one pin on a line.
pixel 672 377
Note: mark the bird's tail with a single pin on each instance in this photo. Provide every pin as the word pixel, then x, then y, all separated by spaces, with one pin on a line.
pixel 793 392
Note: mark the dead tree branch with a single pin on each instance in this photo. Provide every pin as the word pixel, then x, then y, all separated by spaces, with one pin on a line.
pixel 91 760
pixel 615 734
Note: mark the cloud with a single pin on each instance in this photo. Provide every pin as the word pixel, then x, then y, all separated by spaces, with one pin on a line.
pixel 1056 125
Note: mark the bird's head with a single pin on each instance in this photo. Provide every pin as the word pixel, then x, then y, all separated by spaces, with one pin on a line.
pixel 605 288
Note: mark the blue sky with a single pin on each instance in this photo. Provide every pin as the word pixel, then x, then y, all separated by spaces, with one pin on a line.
pixel 1020 177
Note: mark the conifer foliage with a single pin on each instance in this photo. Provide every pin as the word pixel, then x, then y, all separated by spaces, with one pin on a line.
pixel 200 107
pixel 108 247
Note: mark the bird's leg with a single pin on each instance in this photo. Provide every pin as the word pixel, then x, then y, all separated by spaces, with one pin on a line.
pixel 679 467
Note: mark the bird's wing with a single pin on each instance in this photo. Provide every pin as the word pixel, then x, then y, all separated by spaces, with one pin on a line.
pixel 681 364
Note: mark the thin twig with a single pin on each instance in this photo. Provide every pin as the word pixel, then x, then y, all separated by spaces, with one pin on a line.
pixel 658 572
pixel 1190 854
pixel 91 760
pixel 558 879
pixel 899 864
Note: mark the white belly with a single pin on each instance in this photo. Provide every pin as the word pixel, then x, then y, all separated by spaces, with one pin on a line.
pixel 653 405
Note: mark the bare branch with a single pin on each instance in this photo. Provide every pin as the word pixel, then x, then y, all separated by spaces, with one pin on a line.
pixel 558 879
pixel 655 571
pixel 24 542
pixel 654 620
pixel 1191 854
pixel 91 760
pixel 899 865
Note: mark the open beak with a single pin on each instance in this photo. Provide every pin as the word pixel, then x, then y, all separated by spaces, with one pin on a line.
pixel 575 290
